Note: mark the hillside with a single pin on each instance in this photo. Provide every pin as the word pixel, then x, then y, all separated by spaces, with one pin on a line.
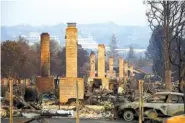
pixel 138 36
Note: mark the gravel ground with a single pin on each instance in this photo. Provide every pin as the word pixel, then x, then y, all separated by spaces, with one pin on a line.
pixel 65 120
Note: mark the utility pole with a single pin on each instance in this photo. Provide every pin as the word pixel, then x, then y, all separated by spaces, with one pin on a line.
pixel 77 104
pixel 11 100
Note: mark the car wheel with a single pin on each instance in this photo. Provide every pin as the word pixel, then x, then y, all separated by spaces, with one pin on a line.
pixel 128 115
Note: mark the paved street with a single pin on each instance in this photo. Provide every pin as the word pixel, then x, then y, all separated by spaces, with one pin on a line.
pixel 64 120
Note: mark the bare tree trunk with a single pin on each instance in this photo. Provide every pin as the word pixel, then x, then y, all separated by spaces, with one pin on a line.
pixel 180 88
pixel 179 76
pixel 181 81
pixel 167 64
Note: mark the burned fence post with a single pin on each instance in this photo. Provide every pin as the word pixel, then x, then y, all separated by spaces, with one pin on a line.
pixel 141 101
pixel 11 100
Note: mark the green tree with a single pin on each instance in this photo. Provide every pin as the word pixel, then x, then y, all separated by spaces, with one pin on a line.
pixel 131 57
pixel 155 51
pixel 113 52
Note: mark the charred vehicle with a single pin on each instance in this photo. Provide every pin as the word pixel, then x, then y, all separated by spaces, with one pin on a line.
pixel 165 104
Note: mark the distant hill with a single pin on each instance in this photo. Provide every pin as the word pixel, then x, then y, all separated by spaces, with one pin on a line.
pixel 138 36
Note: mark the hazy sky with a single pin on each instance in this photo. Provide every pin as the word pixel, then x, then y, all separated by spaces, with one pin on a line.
pixel 50 12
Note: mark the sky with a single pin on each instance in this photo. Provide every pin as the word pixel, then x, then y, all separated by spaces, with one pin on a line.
pixel 51 12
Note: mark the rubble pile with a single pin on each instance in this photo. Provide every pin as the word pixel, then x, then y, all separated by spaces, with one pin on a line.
pixel 98 96
pixel 86 112
pixel 96 111
pixel 98 102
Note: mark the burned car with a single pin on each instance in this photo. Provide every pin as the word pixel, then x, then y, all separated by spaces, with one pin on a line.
pixel 164 103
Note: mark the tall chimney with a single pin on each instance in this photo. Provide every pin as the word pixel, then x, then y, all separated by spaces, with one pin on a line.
pixel 121 68
pixel 45 55
pixel 71 50
pixel 101 60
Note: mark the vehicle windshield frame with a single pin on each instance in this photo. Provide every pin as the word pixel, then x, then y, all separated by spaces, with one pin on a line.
pixel 162 94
